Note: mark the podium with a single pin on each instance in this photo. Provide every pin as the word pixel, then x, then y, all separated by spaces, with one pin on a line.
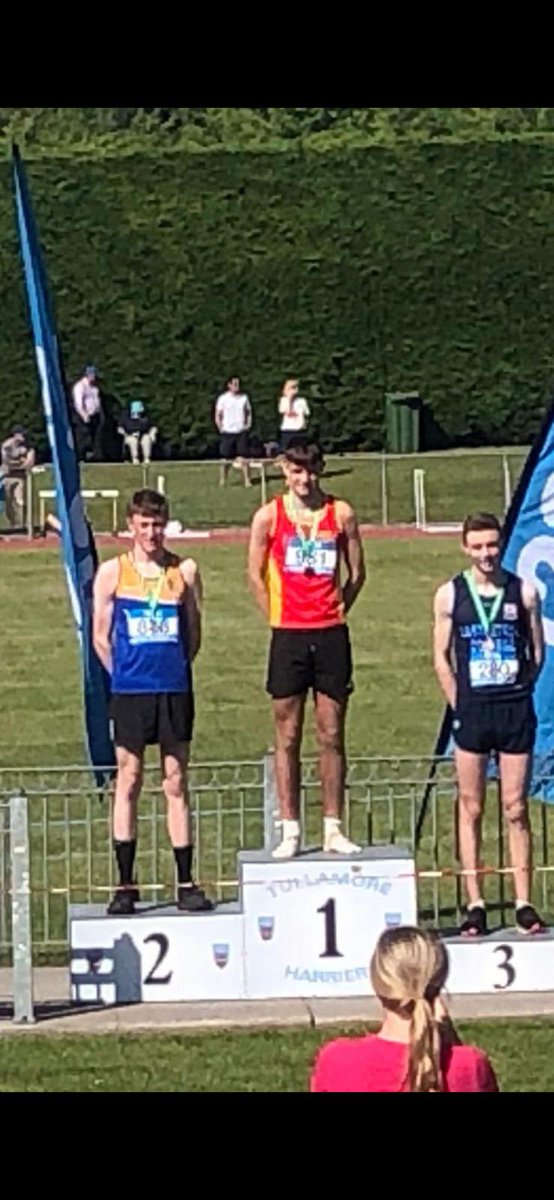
pixel 303 927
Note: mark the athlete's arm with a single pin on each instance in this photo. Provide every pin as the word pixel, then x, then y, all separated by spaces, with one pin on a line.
pixel 531 601
pixel 247 414
pixel 219 414
pixel 353 554
pixel 105 583
pixel 257 555
pixel 193 605
pixel 442 642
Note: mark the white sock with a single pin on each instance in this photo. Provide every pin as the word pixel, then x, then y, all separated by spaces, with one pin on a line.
pixel 331 825
pixel 522 904
pixel 476 904
pixel 290 829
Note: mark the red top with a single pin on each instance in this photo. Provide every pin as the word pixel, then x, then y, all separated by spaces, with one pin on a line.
pixel 303 572
pixel 372 1064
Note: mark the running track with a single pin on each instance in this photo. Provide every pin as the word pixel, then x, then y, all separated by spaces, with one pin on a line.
pixel 222 537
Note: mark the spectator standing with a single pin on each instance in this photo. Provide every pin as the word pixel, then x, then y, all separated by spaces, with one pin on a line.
pixel 294 412
pixel 233 418
pixel 17 459
pixel 87 405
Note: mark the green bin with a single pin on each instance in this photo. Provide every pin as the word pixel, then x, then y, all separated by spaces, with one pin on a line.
pixel 403 412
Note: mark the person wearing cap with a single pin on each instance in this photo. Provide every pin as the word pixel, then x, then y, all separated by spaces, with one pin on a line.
pixel 87 404
pixel 137 431
pixel 17 459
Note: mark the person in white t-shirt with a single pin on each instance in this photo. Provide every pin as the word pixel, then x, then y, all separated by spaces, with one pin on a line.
pixel 87 404
pixel 294 412
pixel 233 417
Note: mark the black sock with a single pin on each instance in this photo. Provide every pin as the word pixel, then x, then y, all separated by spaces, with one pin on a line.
pixel 125 855
pixel 183 860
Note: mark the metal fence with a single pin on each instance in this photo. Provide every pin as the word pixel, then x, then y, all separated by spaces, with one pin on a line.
pixel 233 806
pixel 381 487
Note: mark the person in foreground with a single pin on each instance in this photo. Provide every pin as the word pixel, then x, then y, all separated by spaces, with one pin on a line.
pixel 306 569
pixel 488 651
pixel 417 1048
pixel 147 630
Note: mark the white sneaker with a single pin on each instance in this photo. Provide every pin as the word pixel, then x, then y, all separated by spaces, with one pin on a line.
pixel 290 844
pixel 337 843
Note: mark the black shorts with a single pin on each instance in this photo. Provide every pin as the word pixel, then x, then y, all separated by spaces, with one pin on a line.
pixel 300 659
pixel 505 725
pixel 233 445
pixel 151 719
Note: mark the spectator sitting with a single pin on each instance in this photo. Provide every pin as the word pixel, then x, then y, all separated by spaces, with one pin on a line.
pixel 17 460
pixel 294 412
pixel 88 415
pixel 417 1048
pixel 137 431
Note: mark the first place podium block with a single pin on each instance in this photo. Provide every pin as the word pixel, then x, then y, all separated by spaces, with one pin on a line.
pixel 303 927
pixel 311 923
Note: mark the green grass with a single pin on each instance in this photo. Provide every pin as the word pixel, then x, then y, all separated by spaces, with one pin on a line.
pixel 394 712
pixel 269 1061
pixel 395 708
pixel 453 481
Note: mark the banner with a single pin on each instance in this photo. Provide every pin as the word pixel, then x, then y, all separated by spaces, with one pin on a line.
pixel 77 540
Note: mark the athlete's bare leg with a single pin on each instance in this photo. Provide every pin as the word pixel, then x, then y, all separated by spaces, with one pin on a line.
pixel 330 719
pixel 127 792
pixel 224 468
pixel 175 785
pixel 471 770
pixel 514 779
pixel 288 714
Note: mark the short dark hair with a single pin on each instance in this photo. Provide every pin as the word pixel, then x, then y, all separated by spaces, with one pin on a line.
pixel 302 451
pixel 234 375
pixel 479 521
pixel 148 503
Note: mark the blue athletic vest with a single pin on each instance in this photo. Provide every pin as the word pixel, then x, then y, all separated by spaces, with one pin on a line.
pixel 149 632
pixel 499 664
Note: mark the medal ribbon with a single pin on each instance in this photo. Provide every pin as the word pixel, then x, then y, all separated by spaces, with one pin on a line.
pixel 486 621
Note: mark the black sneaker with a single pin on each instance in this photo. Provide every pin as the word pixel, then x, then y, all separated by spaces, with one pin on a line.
pixel 528 920
pixel 191 898
pixel 123 903
pixel 475 922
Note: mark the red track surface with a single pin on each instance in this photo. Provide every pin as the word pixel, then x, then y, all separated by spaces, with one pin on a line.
pixel 219 537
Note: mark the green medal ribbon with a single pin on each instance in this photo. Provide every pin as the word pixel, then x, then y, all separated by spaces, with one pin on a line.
pixel 486 621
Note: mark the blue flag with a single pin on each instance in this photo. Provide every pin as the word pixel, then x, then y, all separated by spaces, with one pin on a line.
pixel 78 550
pixel 529 553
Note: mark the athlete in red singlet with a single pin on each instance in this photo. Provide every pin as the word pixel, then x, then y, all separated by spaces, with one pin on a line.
pixel 299 543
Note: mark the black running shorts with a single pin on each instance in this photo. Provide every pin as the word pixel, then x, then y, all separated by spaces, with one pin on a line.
pixel 304 659
pixel 505 725
pixel 152 719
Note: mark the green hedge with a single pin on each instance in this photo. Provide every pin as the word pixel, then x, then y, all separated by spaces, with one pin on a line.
pixel 366 271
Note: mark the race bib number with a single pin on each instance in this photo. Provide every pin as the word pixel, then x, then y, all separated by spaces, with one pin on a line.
pixel 319 557
pixel 148 627
pixel 492 666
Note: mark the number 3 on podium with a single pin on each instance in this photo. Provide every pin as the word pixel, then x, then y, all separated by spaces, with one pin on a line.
pixel 505 965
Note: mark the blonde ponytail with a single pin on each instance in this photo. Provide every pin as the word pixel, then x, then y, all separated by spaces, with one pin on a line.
pixel 424 1062
pixel 408 970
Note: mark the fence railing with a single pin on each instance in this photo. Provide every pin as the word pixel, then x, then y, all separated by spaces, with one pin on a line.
pixel 234 808
pixel 380 486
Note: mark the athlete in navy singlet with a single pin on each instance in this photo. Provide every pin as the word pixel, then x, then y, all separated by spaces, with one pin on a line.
pixel 488 649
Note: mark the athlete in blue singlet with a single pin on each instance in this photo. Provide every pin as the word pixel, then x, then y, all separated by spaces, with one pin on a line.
pixel 147 629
